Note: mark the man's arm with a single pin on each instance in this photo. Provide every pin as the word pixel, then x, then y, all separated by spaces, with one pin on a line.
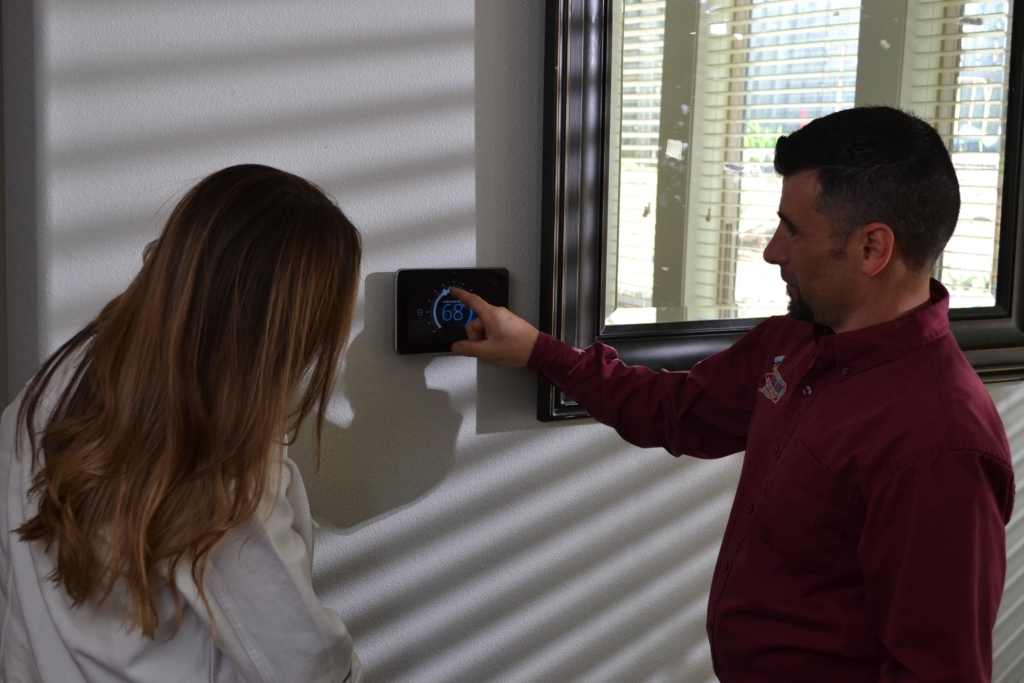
pixel 704 413
pixel 934 560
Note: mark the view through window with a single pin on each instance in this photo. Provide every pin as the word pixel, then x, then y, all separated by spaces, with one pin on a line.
pixel 703 89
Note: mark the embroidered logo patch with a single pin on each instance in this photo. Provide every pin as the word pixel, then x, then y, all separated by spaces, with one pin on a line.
pixel 774 386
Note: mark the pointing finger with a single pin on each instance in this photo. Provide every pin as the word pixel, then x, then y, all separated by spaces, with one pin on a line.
pixel 480 306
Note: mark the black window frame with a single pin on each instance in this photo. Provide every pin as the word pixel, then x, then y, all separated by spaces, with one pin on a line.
pixel 577 101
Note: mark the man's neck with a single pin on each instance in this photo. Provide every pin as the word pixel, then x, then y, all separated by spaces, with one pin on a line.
pixel 889 303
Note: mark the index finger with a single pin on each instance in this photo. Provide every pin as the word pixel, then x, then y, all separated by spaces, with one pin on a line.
pixel 472 300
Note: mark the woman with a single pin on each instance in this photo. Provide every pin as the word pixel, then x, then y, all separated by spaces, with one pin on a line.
pixel 157 529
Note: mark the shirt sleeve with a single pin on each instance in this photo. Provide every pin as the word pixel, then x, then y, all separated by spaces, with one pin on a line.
pixel 934 560
pixel 704 413
pixel 268 621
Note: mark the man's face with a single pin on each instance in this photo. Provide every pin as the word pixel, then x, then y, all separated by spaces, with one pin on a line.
pixel 818 273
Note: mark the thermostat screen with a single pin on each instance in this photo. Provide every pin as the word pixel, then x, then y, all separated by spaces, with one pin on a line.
pixel 428 318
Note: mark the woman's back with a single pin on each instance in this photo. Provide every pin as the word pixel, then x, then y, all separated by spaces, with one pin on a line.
pixel 258 584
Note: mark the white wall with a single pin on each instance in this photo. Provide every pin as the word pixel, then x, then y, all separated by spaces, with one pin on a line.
pixel 461 540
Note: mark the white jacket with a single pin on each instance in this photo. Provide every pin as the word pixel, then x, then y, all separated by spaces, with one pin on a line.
pixel 271 626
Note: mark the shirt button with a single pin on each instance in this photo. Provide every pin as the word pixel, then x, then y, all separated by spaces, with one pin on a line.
pixel 725 566
pixel 807 391
pixel 750 508
pixel 775 449
pixel 846 371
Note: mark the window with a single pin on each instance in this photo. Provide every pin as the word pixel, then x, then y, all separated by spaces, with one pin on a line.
pixel 769 67
pixel 661 192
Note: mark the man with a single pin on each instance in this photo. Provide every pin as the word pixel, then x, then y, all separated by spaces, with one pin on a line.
pixel 866 541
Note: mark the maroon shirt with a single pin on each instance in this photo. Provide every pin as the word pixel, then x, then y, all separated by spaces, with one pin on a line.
pixel 866 541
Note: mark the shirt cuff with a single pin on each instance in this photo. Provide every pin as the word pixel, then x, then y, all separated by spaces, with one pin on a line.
pixel 551 358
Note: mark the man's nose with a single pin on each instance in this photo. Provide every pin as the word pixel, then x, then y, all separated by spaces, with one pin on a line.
pixel 773 251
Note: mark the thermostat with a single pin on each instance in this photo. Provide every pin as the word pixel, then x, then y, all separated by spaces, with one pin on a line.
pixel 428 318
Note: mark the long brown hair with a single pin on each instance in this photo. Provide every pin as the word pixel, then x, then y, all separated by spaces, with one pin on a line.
pixel 185 385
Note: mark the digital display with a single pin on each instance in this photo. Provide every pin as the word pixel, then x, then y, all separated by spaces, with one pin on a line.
pixel 428 318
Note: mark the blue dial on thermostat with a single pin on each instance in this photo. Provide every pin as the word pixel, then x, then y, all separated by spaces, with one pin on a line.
pixel 447 311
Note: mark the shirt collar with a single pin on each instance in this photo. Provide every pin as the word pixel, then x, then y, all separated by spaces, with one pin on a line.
pixel 867 347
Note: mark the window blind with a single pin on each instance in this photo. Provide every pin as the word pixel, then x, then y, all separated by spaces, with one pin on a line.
pixel 959 75
pixel 643 40
pixel 774 65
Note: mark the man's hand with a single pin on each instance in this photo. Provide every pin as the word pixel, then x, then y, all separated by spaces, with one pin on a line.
pixel 495 334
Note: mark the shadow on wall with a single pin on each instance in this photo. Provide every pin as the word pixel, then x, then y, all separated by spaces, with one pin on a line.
pixel 401 441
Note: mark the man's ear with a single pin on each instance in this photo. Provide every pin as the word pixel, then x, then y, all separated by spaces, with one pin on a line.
pixel 875 245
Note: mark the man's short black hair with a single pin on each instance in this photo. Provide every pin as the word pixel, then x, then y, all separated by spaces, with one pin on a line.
pixel 879 164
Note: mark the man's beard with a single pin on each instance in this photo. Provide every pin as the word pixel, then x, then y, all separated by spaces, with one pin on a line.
pixel 798 308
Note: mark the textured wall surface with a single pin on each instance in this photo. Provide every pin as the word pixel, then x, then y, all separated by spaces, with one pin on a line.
pixel 460 539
